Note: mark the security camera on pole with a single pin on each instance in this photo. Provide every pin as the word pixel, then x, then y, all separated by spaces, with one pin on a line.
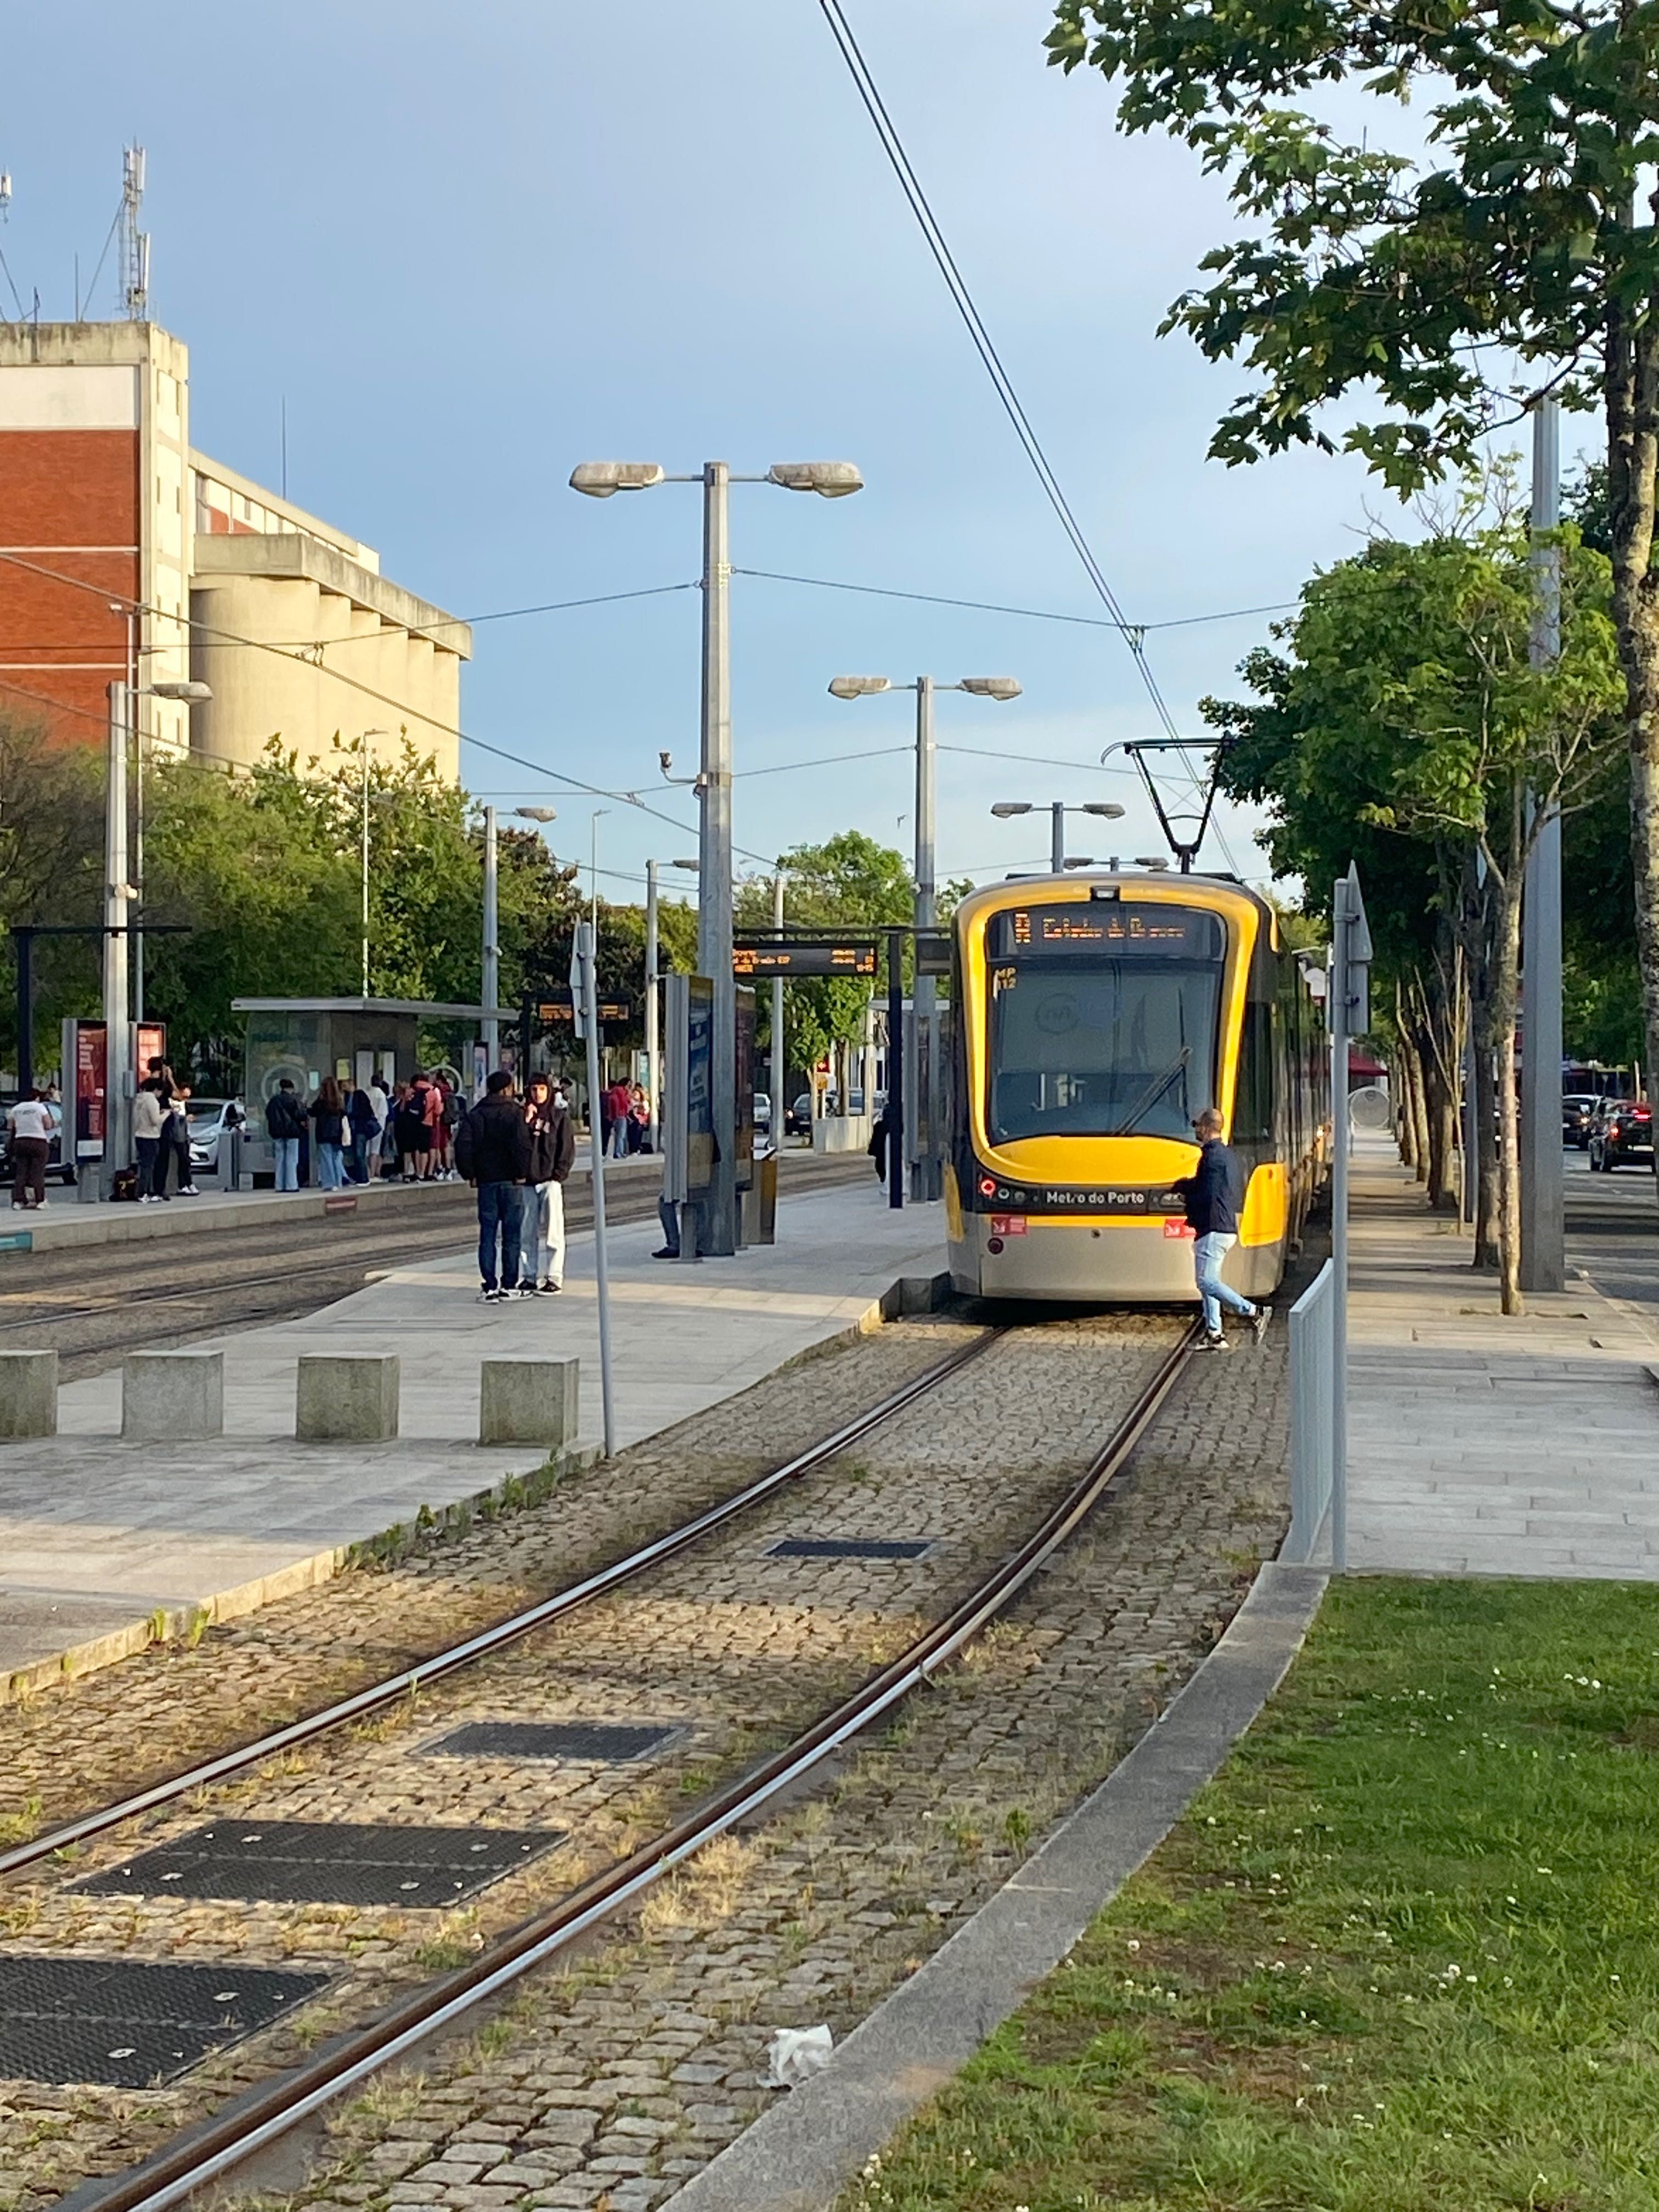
pixel 1348 1005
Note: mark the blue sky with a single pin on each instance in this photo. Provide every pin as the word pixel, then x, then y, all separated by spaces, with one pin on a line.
pixel 473 247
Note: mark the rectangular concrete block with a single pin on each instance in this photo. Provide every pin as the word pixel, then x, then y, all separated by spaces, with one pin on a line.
pixel 173 1397
pixel 347 1401
pixel 29 1394
pixel 529 1401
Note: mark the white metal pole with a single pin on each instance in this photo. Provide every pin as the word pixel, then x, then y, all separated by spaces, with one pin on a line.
pixel 136 956
pixel 923 1172
pixel 652 1032
pixel 1057 840
pixel 780 1075
pixel 1543 1197
pixel 491 948
pixel 364 742
pixel 588 958
pixel 1337 999
pixel 714 853
pixel 117 1031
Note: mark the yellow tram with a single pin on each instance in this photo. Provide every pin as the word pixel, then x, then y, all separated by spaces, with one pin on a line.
pixel 1094 1015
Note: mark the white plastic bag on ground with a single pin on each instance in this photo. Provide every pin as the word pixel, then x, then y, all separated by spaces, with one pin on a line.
pixel 796 2053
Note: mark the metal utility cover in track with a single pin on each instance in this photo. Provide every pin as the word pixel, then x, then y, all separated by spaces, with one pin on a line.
pixel 326 1862
pixel 124 2024
pixel 848 1547
pixel 607 1743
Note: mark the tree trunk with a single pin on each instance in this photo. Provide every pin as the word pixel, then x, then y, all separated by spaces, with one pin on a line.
pixel 1485 1133
pixel 1503 1002
pixel 1631 388
pixel 1405 1127
pixel 1411 1150
pixel 1441 1104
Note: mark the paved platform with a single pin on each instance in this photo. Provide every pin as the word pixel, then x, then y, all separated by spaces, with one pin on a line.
pixel 1486 1444
pixel 97 1536
pixel 65 1223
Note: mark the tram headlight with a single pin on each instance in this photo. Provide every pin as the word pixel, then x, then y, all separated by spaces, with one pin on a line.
pixel 988 1187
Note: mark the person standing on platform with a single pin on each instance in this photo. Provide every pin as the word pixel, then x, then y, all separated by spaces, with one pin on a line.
pixel 1213 1196
pixel 552 1156
pixel 364 1127
pixel 285 1124
pixel 379 1106
pixel 327 1112
pixel 147 1140
pixel 31 1146
pixel 493 1151
pixel 175 1130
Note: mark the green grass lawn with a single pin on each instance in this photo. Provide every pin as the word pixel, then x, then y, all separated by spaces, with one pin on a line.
pixel 1401 1956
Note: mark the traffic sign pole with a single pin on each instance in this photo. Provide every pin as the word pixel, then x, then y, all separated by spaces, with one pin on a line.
pixel 586 981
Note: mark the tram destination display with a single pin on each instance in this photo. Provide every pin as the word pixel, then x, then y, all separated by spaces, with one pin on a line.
pixel 1098 931
pixel 754 957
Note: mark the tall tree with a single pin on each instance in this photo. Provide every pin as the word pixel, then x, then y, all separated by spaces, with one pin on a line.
pixel 1529 232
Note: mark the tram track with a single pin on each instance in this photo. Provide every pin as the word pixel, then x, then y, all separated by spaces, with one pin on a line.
pixel 274 2108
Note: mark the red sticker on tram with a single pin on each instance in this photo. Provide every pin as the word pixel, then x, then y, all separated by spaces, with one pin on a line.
pixel 1177 1229
pixel 1007 1224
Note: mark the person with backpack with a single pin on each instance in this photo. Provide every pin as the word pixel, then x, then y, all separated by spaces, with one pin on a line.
pixel 1213 1195
pixel 413 1154
pixel 493 1151
pixel 364 1128
pixel 552 1156
pixel 285 1124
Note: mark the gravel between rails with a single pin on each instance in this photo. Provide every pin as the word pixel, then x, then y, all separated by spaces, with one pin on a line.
pixel 739 1648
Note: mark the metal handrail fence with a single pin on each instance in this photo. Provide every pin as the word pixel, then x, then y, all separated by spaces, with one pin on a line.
pixel 1313 1432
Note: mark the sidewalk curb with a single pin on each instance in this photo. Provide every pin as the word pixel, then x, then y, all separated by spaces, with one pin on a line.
pixel 801 2152
pixel 186 1623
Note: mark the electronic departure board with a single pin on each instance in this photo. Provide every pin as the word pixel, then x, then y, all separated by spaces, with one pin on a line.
pixel 1099 930
pixel 753 957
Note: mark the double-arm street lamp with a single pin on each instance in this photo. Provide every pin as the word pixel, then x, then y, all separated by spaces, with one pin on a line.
pixel 1105 808
pixel 830 480
pixel 925 1175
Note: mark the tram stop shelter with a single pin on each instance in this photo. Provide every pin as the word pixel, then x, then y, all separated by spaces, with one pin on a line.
pixel 361 1039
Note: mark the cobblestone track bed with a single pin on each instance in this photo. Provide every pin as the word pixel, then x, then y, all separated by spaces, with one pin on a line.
pixel 89 1740
pixel 740 1647
pixel 607 2084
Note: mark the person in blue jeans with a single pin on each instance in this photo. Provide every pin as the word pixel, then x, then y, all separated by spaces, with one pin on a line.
pixel 327 1110
pixel 1213 1196
pixel 285 1124
pixel 493 1151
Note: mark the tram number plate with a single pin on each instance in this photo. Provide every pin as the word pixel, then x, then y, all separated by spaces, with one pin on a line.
pixel 1007 1224
pixel 1178 1228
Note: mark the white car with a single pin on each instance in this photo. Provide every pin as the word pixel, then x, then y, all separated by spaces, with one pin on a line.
pixel 210 1121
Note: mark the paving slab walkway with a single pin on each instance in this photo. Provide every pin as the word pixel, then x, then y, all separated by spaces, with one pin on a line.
pixel 97 1536
pixel 1480 1444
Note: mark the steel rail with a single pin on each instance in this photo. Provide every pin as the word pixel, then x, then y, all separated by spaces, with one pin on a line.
pixel 502 1632
pixel 262 2118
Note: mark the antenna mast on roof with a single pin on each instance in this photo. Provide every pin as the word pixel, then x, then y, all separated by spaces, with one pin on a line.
pixel 135 243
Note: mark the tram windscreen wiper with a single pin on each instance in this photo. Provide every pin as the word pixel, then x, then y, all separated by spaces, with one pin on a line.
pixel 1148 1099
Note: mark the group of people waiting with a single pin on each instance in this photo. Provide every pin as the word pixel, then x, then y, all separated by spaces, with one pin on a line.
pixel 362 1133
pixel 624 1119
pixel 161 1136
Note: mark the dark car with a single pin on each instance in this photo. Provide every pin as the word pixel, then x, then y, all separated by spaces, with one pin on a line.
pixel 58 1169
pixel 1578 1112
pixel 1622 1130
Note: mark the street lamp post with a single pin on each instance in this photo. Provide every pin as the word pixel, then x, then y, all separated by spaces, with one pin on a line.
pixel 119 1074
pixel 830 480
pixel 542 814
pixel 1057 810
pixel 652 1012
pixel 363 745
pixel 492 951
pixel 926 1176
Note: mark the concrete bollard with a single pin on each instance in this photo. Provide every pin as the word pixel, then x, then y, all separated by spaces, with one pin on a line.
pixel 529 1401
pixel 352 1401
pixel 29 1394
pixel 172 1397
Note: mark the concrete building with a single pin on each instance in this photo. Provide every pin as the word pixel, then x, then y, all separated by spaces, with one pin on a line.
pixel 105 507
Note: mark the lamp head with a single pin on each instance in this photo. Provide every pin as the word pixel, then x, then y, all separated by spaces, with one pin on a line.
pixel 990 687
pixel 193 695
pixel 857 687
pixel 1108 808
pixel 690 867
pixel 829 479
pixel 1006 809
pixel 537 813
pixel 605 479
pixel 1155 862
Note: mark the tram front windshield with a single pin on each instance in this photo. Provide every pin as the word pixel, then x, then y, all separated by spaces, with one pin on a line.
pixel 1103 1019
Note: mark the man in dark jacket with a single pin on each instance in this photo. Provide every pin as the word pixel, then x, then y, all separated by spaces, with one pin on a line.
pixel 552 1156
pixel 285 1124
pixel 492 1151
pixel 1213 1196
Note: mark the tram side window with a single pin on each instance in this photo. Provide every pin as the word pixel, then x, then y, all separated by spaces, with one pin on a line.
pixel 1252 1106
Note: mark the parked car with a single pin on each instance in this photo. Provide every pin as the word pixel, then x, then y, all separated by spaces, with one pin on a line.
pixel 210 1121
pixel 763 1114
pixel 1578 1109
pixel 59 1170
pixel 1621 1131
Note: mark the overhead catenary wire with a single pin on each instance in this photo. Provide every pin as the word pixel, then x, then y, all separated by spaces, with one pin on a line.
pixel 997 607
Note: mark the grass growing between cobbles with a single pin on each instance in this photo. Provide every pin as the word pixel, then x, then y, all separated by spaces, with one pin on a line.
pixel 1401 1956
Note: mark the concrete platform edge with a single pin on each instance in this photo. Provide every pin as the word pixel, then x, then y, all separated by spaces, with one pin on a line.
pixel 186 1623
pixel 800 2152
